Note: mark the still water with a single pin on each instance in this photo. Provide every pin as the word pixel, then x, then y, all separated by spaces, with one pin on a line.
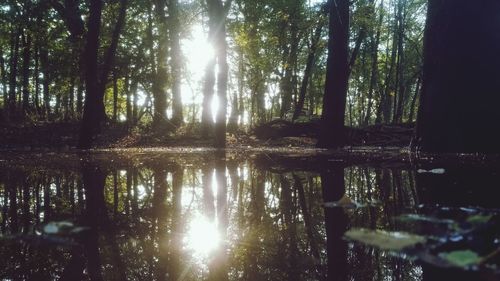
pixel 206 216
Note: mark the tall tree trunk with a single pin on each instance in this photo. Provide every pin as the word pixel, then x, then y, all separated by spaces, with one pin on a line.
pixel 400 89
pixel 26 72
pixel 288 87
pixel 44 63
pixel 14 56
pixel 79 98
pixel 332 132
pixel 3 81
pixel 91 116
pixel 159 86
pixel 308 71
pixel 414 99
pixel 336 223
pixel 374 66
pixel 222 77
pixel 128 106
pixel 459 103
pixel 176 63
pixel 115 97
pixel 209 80
pixel 36 78
pixel 135 101
pixel 94 113
pixel 390 87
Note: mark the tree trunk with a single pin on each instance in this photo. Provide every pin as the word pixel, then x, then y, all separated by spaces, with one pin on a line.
pixel 44 63
pixel 91 115
pixel 288 87
pixel 222 76
pixel 336 223
pixel 115 97
pixel 374 66
pixel 176 64
pixel 3 78
pixel 459 102
pixel 209 80
pixel 159 86
pixel 26 73
pixel 36 78
pixel 332 132
pixel 232 124
pixel 308 71
pixel 14 56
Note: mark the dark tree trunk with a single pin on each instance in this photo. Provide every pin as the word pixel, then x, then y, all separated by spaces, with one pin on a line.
pixel 219 12
pixel 308 71
pixel 128 98
pixel 177 115
pixel 135 101
pixel 91 115
pixel 26 73
pixel 3 78
pixel 232 124
pixel 36 78
pixel 44 63
pixel 14 56
pixel 336 223
pixel 159 83
pixel 460 95
pixel 79 98
pixel 288 87
pixel 332 132
pixel 374 66
pixel 115 97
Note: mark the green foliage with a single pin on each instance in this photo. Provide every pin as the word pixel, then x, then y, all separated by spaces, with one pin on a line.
pixel 394 241
pixel 461 258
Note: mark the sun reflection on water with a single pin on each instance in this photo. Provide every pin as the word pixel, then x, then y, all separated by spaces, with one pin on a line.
pixel 202 237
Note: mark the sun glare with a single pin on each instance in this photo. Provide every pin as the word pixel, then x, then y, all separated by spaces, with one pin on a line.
pixel 202 237
pixel 197 52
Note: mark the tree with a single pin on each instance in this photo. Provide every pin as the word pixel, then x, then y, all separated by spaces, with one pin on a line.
pixel 461 90
pixel 217 12
pixel 93 113
pixel 332 132
pixel 176 63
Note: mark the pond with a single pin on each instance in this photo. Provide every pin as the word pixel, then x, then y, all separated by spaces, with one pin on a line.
pixel 254 216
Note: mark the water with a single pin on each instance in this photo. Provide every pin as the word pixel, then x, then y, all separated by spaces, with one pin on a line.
pixel 204 216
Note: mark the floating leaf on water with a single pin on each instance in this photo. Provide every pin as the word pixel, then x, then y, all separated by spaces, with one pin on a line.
pixel 79 229
pixel 432 171
pixel 461 258
pixel 421 218
pixel 57 227
pixel 479 219
pixel 395 241
pixel 344 202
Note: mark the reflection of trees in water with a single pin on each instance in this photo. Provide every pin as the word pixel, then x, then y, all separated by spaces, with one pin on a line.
pixel 387 193
pixel 271 224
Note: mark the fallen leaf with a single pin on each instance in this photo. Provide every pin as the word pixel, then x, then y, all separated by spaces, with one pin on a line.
pixel 394 241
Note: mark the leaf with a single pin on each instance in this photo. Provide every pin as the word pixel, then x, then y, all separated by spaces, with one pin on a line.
pixel 344 202
pixel 421 218
pixel 479 219
pixel 395 241
pixel 461 258
pixel 57 227
pixel 438 171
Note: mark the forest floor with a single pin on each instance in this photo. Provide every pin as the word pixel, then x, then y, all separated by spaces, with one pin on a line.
pixel 279 144
pixel 63 136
